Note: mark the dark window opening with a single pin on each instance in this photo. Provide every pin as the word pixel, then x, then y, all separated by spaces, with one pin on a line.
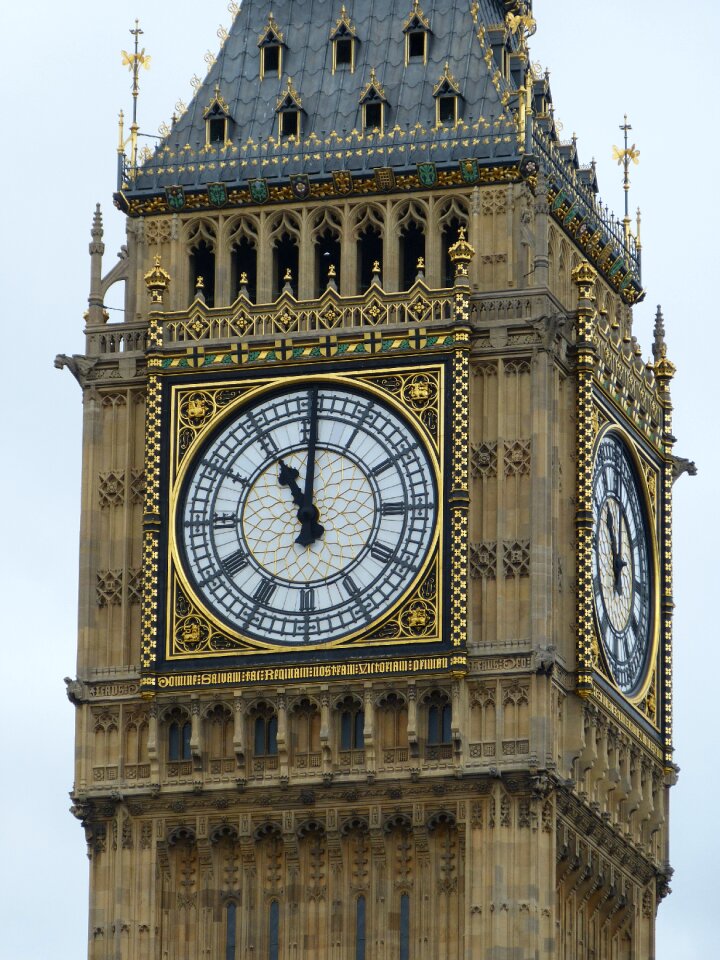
pixel 230 931
pixel 449 237
pixel 447 109
pixel 327 255
pixel 370 251
pixel 360 936
pixel 343 52
pixel 217 130
pixel 179 741
pixel 352 733
pixel 416 44
pixel 243 269
pixel 274 931
pixel 412 247
pixel 202 264
pixel 373 116
pixel 265 741
pixel 271 60
pixel 285 264
pixel 289 123
pixel 404 927
pixel 440 723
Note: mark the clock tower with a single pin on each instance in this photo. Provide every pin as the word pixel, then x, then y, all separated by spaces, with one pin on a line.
pixel 374 651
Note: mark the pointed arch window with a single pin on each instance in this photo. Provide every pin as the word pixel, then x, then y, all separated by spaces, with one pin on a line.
pixel 179 734
pixel 265 740
pixel 374 104
pixel 344 41
pixel 417 35
pixel 405 927
pixel 272 45
pixel 289 110
pixel 360 934
pixel 217 121
pixel 274 931
pixel 231 931
pixel 352 724
pixel 447 98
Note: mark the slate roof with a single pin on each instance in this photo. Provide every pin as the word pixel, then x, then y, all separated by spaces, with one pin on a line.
pixel 331 102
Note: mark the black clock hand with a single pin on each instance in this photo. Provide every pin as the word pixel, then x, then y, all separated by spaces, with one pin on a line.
pixel 288 478
pixel 617 563
pixel 308 512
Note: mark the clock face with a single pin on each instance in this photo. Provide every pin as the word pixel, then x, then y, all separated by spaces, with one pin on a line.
pixel 307 515
pixel 622 577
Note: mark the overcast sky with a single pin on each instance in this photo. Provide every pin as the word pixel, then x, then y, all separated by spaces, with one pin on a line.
pixel 62 86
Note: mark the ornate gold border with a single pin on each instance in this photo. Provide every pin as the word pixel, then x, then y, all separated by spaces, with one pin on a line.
pixel 651 515
pixel 414 606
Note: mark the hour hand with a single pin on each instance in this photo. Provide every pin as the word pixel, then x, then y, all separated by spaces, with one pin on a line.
pixel 287 477
pixel 308 512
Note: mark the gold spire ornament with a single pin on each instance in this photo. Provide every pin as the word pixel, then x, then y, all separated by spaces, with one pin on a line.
pixel 157 280
pixel 625 157
pixel 133 61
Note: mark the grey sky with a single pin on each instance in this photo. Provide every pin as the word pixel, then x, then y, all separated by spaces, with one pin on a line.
pixel 63 85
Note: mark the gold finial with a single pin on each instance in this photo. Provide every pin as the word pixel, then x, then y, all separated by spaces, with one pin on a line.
pixel 288 276
pixel 243 279
pixel 638 221
pixel 233 8
pixel 461 253
pixel 200 284
pixel 332 272
pixel 121 132
pixel 522 23
pixel 420 263
pixel 157 280
pixel 625 157
pixel 133 61
pixel 584 276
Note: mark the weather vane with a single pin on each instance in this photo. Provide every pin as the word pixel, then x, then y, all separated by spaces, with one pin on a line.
pixel 133 61
pixel 625 157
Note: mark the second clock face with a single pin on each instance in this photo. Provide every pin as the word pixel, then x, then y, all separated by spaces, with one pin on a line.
pixel 622 576
pixel 307 515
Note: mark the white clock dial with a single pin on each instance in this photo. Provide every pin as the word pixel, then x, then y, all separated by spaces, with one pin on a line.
pixel 307 515
pixel 621 565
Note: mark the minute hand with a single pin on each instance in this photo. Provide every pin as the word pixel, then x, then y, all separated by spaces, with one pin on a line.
pixel 308 512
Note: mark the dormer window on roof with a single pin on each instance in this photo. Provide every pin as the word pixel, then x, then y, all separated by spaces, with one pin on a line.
pixel 447 98
pixel 417 32
pixel 272 44
pixel 344 42
pixel 289 110
pixel 217 120
pixel 373 102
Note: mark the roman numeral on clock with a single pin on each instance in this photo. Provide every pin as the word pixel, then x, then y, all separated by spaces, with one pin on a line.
pixel 224 521
pixel 381 552
pixel 351 587
pixel 307 600
pixel 381 467
pixel 235 563
pixel 264 591
pixel 393 509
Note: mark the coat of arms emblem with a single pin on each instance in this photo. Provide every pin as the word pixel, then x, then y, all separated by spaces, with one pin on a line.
pixel 427 173
pixel 258 190
pixel 175 197
pixel 217 194
pixel 300 185
pixel 343 181
pixel 469 170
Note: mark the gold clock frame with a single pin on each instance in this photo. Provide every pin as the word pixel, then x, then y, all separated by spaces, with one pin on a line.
pixel 652 521
pixel 418 604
